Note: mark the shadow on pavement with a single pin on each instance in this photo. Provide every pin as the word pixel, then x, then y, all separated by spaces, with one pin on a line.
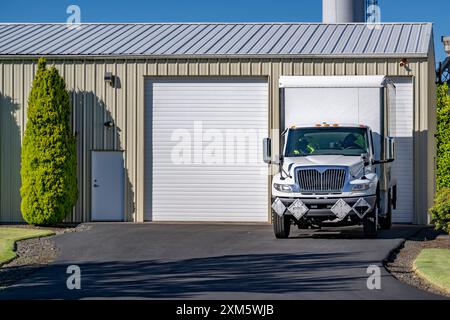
pixel 398 231
pixel 256 273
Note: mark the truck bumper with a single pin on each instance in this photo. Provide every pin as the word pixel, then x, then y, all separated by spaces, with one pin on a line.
pixel 333 208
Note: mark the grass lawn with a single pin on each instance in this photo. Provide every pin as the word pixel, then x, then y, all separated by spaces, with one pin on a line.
pixel 8 236
pixel 434 266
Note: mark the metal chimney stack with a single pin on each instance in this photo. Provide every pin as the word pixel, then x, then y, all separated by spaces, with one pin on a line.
pixel 343 11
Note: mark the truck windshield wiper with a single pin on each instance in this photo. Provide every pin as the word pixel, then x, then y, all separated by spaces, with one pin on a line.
pixel 281 164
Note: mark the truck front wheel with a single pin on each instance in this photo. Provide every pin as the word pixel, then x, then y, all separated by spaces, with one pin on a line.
pixel 281 225
pixel 370 223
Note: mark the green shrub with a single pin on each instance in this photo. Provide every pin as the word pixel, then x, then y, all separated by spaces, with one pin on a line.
pixel 48 172
pixel 443 137
pixel 440 211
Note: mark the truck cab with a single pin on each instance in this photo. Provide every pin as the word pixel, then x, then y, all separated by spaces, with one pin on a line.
pixel 333 174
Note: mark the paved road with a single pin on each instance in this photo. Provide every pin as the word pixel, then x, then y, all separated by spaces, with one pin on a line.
pixel 194 261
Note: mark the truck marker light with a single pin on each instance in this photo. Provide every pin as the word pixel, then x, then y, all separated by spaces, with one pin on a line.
pixel 335 125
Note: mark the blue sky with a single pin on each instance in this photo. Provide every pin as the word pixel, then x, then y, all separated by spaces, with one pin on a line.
pixel 435 11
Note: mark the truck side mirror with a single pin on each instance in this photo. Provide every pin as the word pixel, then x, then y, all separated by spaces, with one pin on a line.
pixel 267 150
pixel 391 145
pixel 365 159
pixel 374 162
pixel 390 151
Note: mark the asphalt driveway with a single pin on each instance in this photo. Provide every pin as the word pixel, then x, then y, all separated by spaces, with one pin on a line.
pixel 198 261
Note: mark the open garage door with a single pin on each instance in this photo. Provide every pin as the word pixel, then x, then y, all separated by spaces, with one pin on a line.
pixel 403 164
pixel 203 157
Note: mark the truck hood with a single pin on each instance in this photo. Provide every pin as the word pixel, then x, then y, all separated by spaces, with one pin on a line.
pixel 323 160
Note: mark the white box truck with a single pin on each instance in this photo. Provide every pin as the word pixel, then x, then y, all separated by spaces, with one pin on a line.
pixel 335 154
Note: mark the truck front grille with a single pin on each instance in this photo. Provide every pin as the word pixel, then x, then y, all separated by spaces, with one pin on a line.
pixel 330 180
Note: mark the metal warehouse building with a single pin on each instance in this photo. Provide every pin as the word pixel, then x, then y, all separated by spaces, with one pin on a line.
pixel 133 85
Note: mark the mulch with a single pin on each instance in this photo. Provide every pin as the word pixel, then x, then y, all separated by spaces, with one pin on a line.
pixel 400 263
pixel 32 254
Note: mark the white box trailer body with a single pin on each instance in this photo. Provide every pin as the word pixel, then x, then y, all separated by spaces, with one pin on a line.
pixel 364 100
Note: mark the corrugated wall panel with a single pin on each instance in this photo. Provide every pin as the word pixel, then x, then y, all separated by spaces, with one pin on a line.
pixel 421 141
pixel 77 127
pixel 96 102
pixel 140 132
pixel 130 133
pixel 340 67
pixel 5 105
pixel 9 133
pixel 85 136
pixel 16 139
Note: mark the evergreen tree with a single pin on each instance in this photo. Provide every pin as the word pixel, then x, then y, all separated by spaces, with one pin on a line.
pixel 443 137
pixel 49 182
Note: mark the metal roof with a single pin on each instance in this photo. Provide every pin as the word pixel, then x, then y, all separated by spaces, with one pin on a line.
pixel 215 39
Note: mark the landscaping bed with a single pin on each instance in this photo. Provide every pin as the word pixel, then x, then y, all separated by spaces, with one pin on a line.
pixel 401 263
pixel 9 236
pixel 30 253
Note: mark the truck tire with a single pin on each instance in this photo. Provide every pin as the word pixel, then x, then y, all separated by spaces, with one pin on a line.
pixel 370 223
pixel 281 226
pixel 386 222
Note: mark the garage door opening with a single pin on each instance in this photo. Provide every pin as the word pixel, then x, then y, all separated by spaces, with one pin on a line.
pixel 403 165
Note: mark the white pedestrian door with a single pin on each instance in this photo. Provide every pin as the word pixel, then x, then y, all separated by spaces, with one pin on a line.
pixel 107 186
pixel 203 149
pixel 403 164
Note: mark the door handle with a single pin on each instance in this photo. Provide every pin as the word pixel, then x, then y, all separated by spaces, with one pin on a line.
pixel 96 185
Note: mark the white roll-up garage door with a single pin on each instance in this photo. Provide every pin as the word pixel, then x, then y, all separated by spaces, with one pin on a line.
pixel 203 155
pixel 403 164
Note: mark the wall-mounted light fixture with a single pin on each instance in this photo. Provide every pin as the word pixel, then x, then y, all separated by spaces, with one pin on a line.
pixel 403 62
pixel 110 78
pixel 109 124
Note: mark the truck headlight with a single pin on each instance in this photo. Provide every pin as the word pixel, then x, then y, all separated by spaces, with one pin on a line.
pixel 283 187
pixel 361 186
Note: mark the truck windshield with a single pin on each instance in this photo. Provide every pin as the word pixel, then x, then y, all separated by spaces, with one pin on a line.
pixel 326 141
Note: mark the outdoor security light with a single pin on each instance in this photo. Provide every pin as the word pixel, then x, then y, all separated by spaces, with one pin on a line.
pixel 403 62
pixel 109 124
pixel 109 78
